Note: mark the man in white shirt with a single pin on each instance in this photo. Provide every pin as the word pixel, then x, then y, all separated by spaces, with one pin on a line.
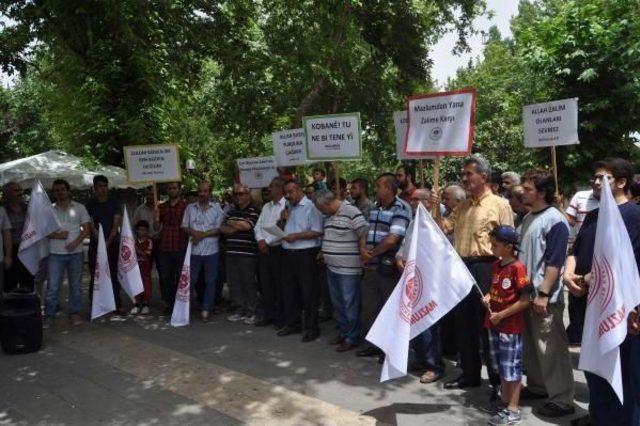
pixel 270 257
pixel 65 252
pixel 202 221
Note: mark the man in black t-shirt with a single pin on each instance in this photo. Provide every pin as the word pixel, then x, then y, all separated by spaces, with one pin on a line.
pixel 604 406
pixel 107 212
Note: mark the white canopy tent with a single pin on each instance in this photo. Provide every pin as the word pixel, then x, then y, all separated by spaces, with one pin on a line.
pixel 52 165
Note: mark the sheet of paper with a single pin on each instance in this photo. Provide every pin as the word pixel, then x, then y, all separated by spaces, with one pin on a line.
pixel 275 231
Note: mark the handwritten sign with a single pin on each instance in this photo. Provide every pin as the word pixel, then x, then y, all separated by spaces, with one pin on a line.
pixel 333 137
pixel 152 163
pixel 551 123
pixel 441 123
pixel 257 172
pixel 289 148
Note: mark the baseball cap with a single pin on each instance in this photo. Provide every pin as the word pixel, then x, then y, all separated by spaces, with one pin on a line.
pixel 506 234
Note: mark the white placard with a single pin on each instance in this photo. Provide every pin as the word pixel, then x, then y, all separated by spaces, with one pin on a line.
pixel 551 123
pixel 288 148
pixel 333 137
pixel 400 122
pixel 152 163
pixel 441 123
pixel 257 172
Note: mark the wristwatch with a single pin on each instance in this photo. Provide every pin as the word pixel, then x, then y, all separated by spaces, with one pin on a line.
pixel 543 294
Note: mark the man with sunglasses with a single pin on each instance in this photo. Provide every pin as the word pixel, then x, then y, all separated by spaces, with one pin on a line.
pixel 241 255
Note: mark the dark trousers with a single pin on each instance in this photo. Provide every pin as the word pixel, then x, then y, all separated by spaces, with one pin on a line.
pixel 169 268
pixel 448 340
pixel 300 288
pixel 375 290
pixel 18 275
pixel 472 337
pixel 577 310
pixel 604 407
pixel 112 255
pixel 269 269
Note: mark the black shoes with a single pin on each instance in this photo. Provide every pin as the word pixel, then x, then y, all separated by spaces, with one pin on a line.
pixel 310 336
pixel 461 383
pixel 285 331
pixel 369 351
pixel 526 394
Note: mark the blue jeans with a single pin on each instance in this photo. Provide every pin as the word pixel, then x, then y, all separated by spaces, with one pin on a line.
pixel 604 406
pixel 345 297
pixel 426 346
pixel 209 266
pixel 57 265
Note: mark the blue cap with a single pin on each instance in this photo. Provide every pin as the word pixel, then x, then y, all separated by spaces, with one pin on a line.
pixel 506 234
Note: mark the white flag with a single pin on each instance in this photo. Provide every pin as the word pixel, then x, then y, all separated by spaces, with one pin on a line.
pixel 128 269
pixel 103 301
pixel 180 314
pixel 41 221
pixel 614 292
pixel 434 281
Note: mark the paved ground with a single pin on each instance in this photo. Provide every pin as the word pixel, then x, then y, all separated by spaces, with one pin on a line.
pixel 144 372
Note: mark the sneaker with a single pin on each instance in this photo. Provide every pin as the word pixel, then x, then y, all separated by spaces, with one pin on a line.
pixel 236 317
pixel 145 310
pixel 506 417
pixel 135 310
pixel 250 320
pixel 76 320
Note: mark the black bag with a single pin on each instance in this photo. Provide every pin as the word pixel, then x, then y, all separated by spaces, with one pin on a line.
pixel 20 322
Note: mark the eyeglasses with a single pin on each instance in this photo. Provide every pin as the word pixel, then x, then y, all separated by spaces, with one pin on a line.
pixel 601 177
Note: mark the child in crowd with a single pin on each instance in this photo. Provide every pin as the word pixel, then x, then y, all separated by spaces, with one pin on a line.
pixel 144 245
pixel 508 297
pixel 319 180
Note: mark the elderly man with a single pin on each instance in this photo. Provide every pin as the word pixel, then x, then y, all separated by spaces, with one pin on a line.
pixel 343 227
pixel 241 256
pixel 302 224
pixel 516 201
pixel 202 221
pixel 270 257
pixel 388 222
pixel 426 345
pixel 471 224
pixel 452 196
pixel 509 180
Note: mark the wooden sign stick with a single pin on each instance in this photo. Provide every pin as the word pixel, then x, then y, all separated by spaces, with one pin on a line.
pixel 337 177
pixel 554 164
pixel 421 165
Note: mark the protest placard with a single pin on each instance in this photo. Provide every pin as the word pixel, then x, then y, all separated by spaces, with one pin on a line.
pixel 152 163
pixel 400 123
pixel 333 137
pixel 551 123
pixel 440 124
pixel 289 148
pixel 257 172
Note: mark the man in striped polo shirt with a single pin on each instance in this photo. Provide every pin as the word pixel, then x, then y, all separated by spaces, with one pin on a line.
pixel 343 227
pixel 241 250
pixel 388 222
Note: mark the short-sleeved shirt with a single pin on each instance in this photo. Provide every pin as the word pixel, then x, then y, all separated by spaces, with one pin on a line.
pixel 17 219
pixel 71 220
pixel 143 250
pixel 340 243
pixel 581 204
pixel 204 219
pixel 171 238
pixel 5 224
pixel 242 243
pixel 102 213
pixel 473 220
pixel 544 236
pixel 145 212
pixel 269 217
pixel 393 219
pixel 303 217
pixel 585 241
pixel 508 282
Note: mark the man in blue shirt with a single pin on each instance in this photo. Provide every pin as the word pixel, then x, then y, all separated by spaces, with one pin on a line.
pixel 302 224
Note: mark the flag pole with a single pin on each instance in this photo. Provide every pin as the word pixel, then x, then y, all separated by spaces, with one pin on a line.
pixel 436 188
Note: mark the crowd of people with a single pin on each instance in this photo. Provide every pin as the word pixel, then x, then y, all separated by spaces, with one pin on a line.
pixel 322 248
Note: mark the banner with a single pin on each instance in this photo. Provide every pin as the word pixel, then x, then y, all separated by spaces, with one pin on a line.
pixel 41 221
pixel 333 137
pixel 257 172
pixel 441 123
pixel 433 282
pixel 400 123
pixel 152 163
pixel 551 123
pixel 613 294
pixel 103 301
pixel 180 314
pixel 128 268
pixel 288 148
